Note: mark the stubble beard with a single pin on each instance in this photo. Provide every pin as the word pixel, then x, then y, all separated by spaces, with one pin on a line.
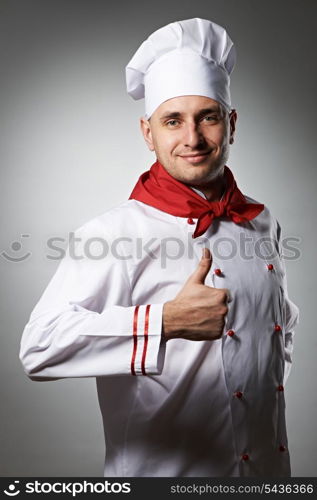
pixel 214 174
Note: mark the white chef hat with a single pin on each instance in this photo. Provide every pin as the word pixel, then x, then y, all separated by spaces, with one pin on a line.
pixel 191 57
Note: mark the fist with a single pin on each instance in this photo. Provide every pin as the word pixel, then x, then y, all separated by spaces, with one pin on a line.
pixel 198 311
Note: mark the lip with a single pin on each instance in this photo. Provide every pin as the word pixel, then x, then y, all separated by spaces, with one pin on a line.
pixel 196 158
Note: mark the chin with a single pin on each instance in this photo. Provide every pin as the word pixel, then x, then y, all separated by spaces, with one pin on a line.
pixel 195 180
pixel 202 175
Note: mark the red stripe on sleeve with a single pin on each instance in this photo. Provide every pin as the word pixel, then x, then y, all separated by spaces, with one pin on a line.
pixel 146 337
pixel 135 338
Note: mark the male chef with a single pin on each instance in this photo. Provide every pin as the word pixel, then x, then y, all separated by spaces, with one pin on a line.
pixel 184 317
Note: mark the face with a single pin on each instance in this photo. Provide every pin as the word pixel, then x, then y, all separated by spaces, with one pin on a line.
pixel 190 136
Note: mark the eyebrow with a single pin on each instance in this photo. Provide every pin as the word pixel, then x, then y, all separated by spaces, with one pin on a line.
pixel 170 114
pixel 176 114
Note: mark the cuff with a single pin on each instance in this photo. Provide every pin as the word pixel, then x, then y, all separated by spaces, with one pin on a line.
pixel 148 352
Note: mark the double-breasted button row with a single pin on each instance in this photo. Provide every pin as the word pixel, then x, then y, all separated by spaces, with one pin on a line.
pixel 219 272
pixel 245 456
pixel 239 394
pixel 231 333
pixel 270 267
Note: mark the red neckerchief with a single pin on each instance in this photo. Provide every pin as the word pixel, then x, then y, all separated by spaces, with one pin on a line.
pixel 159 189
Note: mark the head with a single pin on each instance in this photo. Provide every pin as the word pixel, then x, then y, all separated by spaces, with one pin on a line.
pixel 190 136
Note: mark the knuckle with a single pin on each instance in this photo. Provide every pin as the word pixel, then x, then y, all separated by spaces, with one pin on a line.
pixel 218 334
pixel 224 294
pixel 224 310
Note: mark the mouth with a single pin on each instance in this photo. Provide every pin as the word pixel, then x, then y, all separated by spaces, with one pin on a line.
pixel 195 157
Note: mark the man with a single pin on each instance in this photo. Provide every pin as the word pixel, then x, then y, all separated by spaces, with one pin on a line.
pixel 185 318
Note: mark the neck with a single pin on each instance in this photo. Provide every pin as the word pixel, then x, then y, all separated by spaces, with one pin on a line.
pixel 214 189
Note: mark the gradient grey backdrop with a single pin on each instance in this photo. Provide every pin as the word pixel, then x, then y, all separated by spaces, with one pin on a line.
pixel 71 149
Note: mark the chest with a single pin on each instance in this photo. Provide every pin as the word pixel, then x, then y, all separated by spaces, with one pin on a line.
pixel 244 261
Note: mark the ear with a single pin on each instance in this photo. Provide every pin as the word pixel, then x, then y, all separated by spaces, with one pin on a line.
pixel 147 134
pixel 232 118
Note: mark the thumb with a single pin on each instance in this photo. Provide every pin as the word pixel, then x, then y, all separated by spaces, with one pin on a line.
pixel 199 275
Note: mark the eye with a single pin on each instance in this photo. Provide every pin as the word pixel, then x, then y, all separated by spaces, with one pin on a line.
pixel 172 123
pixel 211 118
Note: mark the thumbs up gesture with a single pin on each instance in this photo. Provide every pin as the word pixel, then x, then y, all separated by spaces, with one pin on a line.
pixel 198 311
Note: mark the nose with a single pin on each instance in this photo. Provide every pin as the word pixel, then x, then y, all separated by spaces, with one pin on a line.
pixel 192 136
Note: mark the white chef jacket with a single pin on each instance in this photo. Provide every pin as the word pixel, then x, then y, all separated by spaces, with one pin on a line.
pixel 177 408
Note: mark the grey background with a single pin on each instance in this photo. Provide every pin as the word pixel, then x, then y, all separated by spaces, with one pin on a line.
pixel 71 149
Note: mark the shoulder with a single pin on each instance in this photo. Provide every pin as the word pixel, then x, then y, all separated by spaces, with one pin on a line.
pixel 116 220
pixel 265 222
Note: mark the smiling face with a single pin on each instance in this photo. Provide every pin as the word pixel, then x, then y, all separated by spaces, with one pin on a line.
pixel 190 136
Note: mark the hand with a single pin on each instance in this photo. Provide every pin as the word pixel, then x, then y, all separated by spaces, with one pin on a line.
pixel 198 311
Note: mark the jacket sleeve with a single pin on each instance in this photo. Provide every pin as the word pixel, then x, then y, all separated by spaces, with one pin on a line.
pixel 290 315
pixel 85 325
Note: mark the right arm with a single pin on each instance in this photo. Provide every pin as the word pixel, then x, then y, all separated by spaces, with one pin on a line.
pixel 85 324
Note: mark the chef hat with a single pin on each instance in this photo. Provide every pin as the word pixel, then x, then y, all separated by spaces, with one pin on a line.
pixel 191 57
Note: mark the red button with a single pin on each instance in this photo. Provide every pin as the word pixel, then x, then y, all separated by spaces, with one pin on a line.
pixel 277 328
pixel 230 333
pixel 245 457
pixel 190 221
pixel 218 272
pixel 280 388
pixel 282 447
pixel 238 394
pixel 270 267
